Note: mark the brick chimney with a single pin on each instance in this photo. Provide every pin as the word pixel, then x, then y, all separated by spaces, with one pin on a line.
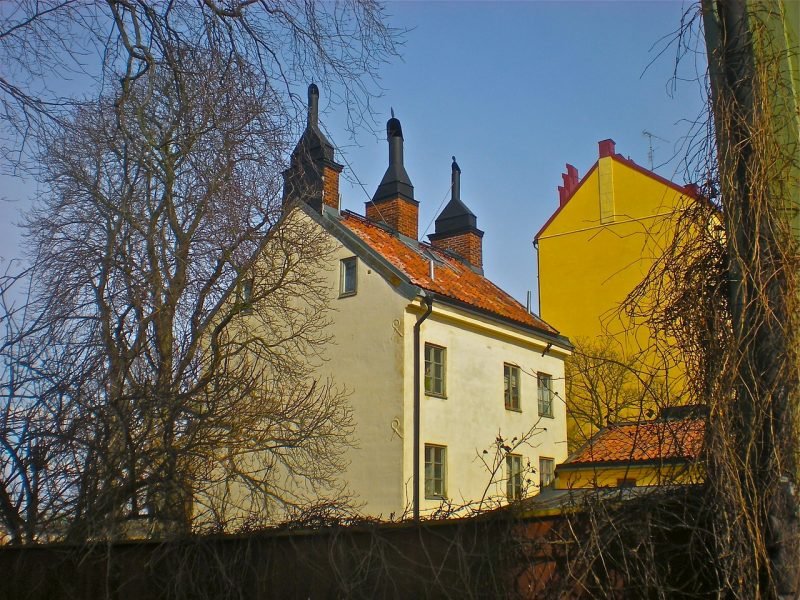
pixel 313 175
pixel 457 227
pixel 607 148
pixel 393 202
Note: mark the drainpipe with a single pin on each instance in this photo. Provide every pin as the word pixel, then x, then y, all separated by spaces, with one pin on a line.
pixel 428 299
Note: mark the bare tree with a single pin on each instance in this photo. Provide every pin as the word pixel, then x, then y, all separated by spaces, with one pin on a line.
pixel 175 319
pixel 189 308
pixel 104 46
pixel 604 387
pixel 726 293
pixel 38 462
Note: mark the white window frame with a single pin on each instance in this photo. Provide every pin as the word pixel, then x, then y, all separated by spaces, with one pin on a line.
pixel 510 400
pixel 550 471
pixel 435 487
pixel 344 289
pixel 544 394
pixel 430 363
pixel 514 488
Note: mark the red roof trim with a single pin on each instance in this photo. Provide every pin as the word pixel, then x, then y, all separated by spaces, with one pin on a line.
pixel 685 190
pixel 564 203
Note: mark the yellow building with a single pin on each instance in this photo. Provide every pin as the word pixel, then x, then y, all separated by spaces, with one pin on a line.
pixel 610 227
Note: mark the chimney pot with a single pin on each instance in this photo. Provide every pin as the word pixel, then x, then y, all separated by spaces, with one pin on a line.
pixel 570 179
pixel 607 148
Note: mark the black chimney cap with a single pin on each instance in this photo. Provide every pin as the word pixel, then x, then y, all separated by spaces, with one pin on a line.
pixel 456 218
pixel 313 144
pixel 395 181
pixel 393 128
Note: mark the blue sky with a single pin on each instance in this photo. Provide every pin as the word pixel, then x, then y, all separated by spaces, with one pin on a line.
pixel 514 90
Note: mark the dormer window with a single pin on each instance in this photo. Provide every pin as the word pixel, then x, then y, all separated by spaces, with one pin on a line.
pixel 348 276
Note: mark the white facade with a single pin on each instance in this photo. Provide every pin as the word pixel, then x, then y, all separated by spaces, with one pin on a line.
pixel 371 355
pixel 372 348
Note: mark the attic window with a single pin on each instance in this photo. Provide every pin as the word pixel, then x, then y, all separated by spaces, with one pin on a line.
pixel 246 296
pixel 348 276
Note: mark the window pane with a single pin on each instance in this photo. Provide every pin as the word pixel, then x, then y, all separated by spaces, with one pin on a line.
pixel 545 394
pixel 511 385
pixel 435 471
pixel 247 296
pixel 546 471
pixel 434 370
pixel 514 474
pixel 348 276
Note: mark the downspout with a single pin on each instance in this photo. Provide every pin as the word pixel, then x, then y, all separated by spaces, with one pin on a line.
pixel 428 299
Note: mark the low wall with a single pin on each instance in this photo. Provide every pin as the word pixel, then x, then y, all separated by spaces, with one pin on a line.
pixel 468 558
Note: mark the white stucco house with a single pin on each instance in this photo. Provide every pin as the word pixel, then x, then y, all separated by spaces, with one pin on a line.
pixel 438 359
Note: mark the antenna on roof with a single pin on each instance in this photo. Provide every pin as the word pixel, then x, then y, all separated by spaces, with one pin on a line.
pixel 650 137
pixel 391 109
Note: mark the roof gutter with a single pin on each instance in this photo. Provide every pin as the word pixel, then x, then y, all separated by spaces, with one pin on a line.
pixel 428 299
pixel 644 462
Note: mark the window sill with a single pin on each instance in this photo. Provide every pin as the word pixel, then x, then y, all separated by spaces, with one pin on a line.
pixel 516 410
pixel 437 498
pixel 347 294
pixel 547 416
pixel 435 395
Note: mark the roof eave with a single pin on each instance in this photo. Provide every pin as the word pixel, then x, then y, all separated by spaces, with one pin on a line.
pixel 608 464
pixel 555 338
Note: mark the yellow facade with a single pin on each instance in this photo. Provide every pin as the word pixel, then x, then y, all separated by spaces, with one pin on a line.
pixel 588 264
pixel 604 238
pixel 638 475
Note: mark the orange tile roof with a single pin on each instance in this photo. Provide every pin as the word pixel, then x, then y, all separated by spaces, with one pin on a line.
pixel 452 278
pixel 644 441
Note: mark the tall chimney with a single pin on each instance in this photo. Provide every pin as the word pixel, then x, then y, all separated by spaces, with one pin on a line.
pixel 313 174
pixel 457 227
pixel 605 178
pixel 393 202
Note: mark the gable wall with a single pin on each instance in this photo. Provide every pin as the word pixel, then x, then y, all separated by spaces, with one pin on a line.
pixel 587 268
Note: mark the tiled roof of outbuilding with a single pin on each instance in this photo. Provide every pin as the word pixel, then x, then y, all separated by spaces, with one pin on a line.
pixel 452 278
pixel 645 441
